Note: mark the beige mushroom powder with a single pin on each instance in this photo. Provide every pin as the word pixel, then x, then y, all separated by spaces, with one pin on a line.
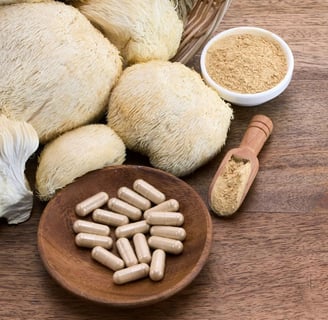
pixel 246 63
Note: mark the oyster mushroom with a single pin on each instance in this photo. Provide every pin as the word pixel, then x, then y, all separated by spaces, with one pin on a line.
pixel 18 141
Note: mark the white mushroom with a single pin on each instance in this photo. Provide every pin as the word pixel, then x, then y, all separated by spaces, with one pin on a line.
pixel 142 30
pixel 57 69
pixel 5 2
pixel 164 110
pixel 75 153
pixel 18 141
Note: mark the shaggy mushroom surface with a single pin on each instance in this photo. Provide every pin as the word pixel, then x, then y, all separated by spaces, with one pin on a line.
pixel 165 111
pixel 142 30
pixel 57 69
pixel 74 154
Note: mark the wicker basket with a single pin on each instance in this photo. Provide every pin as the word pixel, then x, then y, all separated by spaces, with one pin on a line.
pixel 201 19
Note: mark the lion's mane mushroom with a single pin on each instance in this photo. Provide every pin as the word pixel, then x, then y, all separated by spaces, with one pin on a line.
pixel 18 141
pixel 165 111
pixel 5 2
pixel 74 154
pixel 141 30
pixel 57 69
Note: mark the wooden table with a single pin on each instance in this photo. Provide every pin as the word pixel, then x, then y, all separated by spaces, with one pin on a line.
pixel 271 260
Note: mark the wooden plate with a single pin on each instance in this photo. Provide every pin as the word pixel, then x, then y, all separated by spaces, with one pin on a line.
pixel 73 268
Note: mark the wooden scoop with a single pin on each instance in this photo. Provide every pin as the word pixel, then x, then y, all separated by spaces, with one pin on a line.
pixel 238 168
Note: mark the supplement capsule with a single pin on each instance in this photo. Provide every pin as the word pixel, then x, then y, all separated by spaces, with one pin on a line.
pixel 166 244
pixel 157 266
pixel 89 240
pixel 90 227
pixel 123 207
pixel 126 252
pixel 133 198
pixel 148 191
pixel 128 230
pixel 142 248
pixel 110 218
pixel 165 218
pixel 168 205
pixel 132 273
pixel 107 258
pixel 176 233
pixel 88 205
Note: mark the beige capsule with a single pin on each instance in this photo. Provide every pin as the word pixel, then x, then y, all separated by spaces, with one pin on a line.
pixel 148 191
pixel 168 205
pixel 89 240
pixel 142 248
pixel 109 217
pixel 168 245
pixel 128 230
pixel 126 252
pixel 123 207
pixel 91 227
pixel 165 218
pixel 133 198
pixel 88 205
pixel 132 273
pixel 107 258
pixel 157 266
pixel 176 233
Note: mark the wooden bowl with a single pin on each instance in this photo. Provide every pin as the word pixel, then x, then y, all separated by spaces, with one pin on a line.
pixel 74 269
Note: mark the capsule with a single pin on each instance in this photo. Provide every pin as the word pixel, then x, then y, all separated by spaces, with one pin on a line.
pixel 128 230
pixel 126 252
pixel 166 244
pixel 133 198
pixel 123 207
pixel 165 218
pixel 176 233
pixel 168 205
pixel 88 205
pixel 148 191
pixel 141 248
pixel 132 273
pixel 89 240
pixel 107 258
pixel 90 227
pixel 157 266
pixel 110 218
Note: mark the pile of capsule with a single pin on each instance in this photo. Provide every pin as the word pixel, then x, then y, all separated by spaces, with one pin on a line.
pixel 147 227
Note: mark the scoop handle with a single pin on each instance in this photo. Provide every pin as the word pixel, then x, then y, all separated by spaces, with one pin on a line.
pixel 257 133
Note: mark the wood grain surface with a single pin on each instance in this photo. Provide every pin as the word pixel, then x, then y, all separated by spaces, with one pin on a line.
pixel 76 271
pixel 268 262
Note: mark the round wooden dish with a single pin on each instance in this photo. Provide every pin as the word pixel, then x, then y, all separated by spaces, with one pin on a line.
pixel 73 267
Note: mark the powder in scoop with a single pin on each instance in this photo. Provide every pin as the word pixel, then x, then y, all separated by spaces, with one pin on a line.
pixel 229 187
pixel 246 63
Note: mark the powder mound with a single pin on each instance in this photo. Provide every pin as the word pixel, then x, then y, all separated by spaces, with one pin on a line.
pixel 57 70
pixel 229 188
pixel 246 63
pixel 165 111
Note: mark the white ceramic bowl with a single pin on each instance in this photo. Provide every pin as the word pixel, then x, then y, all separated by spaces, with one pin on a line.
pixel 249 99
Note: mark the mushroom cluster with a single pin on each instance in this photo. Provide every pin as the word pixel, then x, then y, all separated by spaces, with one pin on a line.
pixel 90 79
